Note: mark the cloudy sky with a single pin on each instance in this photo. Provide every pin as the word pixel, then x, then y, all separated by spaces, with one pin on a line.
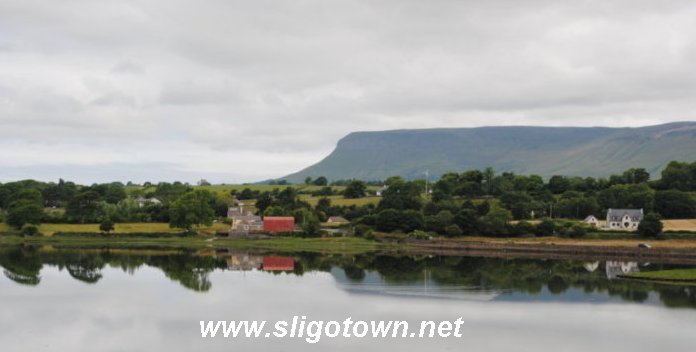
pixel 238 91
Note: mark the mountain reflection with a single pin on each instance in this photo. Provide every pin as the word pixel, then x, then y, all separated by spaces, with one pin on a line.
pixel 451 277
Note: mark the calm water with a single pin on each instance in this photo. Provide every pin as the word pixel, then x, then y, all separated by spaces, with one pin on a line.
pixel 125 300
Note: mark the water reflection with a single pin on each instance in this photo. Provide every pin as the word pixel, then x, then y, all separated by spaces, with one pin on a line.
pixel 443 277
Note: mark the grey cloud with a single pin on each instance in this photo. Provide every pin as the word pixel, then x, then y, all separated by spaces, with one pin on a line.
pixel 127 67
pixel 290 78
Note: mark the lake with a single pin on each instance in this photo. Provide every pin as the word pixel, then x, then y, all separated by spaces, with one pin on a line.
pixel 153 300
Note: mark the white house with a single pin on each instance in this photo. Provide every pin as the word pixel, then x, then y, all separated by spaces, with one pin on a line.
pixel 592 221
pixel 624 218
pixel 337 220
pixel 142 201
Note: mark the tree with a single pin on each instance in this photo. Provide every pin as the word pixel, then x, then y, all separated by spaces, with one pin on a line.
pixel 496 221
pixel 321 181
pixel 401 195
pixel 311 225
pixel 308 180
pixel 191 209
pixel 519 203
pixel 558 184
pixel 169 192
pixel 467 220
pixel 651 226
pixel 411 220
pixel 635 176
pixel 488 175
pixel 29 230
pixel 263 202
pixel 275 210
pixel 678 175
pixel 84 207
pixel 674 204
pixel 546 228
pixel 453 231
pixel 355 189
pixel 246 193
pixel 388 220
pixel 106 226
pixel 24 211
pixel 439 222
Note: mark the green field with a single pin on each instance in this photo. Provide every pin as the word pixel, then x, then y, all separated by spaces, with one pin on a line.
pixel 340 201
pixel 138 227
pixel 338 245
pixel 667 275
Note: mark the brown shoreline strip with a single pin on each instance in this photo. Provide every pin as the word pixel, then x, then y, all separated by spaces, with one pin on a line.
pixel 654 279
pixel 553 251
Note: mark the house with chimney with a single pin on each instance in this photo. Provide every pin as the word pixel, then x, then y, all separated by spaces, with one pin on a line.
pixel 624 219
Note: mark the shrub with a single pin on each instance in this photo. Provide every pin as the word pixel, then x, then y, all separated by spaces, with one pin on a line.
pixel 453 231
pixel 576 230
pixel 545 228
pixel 651 226
pixel 420 235
pixel 29 230
pixel 524 228
pixel 388 220
pixel 362 231
pixel 106 226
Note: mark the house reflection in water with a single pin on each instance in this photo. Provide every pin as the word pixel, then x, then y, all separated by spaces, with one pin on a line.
pixel 278 264
pixel 613 268
pixel 244 262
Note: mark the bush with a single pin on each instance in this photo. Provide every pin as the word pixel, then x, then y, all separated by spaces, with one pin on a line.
pixel 524 228
pixel 576 230
pixel 388 220
pixel 23 212
pixel 106 226
pixel 546 228
pixel 420 235
pixel 453 231
pixel 29 230
pixel 362 231
pixel 651 226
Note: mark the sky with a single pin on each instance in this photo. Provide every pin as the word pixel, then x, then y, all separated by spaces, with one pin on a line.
pixel 240 91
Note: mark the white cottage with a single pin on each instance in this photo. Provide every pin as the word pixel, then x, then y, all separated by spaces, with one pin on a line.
pixel 624 218
pixel 592 221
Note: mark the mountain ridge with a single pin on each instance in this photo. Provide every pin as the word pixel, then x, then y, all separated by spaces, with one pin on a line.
pixel 570 151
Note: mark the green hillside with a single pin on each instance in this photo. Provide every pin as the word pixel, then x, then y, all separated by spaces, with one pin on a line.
pixel 592 151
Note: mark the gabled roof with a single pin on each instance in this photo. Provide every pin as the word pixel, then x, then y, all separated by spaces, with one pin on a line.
pixel 590 217
pixel 620 213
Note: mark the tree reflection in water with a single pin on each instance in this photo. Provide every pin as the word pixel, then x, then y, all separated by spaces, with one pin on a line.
pixel 23 264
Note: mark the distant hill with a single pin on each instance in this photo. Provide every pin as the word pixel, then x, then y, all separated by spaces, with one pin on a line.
pixel 571 151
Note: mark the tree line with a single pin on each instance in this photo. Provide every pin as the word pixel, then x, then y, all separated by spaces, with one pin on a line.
pixel 473 202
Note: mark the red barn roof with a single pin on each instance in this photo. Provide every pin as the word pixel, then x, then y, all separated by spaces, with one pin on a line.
pixel 278 224
pixel 278 264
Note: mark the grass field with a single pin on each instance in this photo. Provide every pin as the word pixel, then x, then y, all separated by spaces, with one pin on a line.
pixel 340 201
pixel 254 187
pixel 339 245
pixel 670 225
pixel 679 225
pixel 667 275
pixel 139 227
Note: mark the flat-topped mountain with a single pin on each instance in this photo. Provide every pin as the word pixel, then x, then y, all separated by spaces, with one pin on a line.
pixel 581 151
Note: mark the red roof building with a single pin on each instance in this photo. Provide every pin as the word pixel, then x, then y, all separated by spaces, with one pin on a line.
pixel 278 224
pixel 278 264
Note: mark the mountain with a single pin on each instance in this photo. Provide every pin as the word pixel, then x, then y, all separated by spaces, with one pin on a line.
pixel 546 151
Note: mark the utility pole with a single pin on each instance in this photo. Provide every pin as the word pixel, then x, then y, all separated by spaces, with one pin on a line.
pixel 427 173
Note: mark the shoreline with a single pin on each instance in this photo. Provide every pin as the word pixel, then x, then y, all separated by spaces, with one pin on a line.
pixel 662 251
